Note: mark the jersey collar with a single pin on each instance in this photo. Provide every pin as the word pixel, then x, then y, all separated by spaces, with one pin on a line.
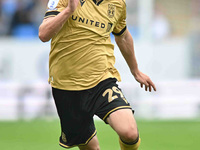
pixel 97 2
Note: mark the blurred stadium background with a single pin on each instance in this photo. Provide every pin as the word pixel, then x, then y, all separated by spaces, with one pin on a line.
pixel 167 44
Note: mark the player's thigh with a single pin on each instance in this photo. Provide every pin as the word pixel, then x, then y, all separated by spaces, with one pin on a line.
pixel 123 122
pixel 92 145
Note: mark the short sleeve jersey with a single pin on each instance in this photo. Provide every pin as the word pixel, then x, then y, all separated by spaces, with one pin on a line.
pixel 82 54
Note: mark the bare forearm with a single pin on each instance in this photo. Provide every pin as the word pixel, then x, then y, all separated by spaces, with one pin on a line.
pixel 126 46
pixel 51 26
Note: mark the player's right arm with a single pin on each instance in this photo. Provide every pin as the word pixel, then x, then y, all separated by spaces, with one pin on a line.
pixel 52 25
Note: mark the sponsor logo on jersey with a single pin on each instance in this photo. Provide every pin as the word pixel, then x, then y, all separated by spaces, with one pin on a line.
pixel 92 22
pixel 52 4
pixel 111 10
pixel 88 21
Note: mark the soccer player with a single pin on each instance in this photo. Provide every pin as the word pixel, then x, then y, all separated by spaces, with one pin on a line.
pixel 82 72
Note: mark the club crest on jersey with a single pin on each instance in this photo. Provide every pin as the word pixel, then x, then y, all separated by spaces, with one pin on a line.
pixel 111 10
pixel 82 2
pixel 52 4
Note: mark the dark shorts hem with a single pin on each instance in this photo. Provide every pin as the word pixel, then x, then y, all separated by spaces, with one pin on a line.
pixel 82 144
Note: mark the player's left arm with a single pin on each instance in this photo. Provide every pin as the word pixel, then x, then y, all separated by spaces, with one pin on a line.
pixel 126 46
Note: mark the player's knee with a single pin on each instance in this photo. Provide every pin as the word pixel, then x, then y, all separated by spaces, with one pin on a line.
pixel 129 135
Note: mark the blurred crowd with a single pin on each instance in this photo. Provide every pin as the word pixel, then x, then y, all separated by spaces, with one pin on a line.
pixel 21 17
pixel 180 18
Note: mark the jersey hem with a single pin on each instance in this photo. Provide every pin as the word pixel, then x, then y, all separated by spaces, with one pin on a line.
pixel 79 88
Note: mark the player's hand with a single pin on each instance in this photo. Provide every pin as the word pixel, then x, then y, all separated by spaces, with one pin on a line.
pixel 143 79
pixel 72 5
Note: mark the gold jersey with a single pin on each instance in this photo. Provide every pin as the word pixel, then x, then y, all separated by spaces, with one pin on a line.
pixel 82 54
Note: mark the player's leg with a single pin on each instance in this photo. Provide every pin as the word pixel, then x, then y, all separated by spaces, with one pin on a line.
pixel 123 122
pixel 114 109
pixel 92 145
pixel 77 123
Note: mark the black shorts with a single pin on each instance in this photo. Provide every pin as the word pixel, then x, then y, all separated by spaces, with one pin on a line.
pixel 77 108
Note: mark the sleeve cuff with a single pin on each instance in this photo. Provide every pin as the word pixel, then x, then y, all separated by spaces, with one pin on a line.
pixel 51 13
pixel 121 32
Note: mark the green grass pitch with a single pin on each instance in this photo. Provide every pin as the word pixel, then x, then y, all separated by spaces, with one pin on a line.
pixel 155 135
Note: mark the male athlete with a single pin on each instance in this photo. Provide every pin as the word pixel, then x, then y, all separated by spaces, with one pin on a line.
pixel 82 72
